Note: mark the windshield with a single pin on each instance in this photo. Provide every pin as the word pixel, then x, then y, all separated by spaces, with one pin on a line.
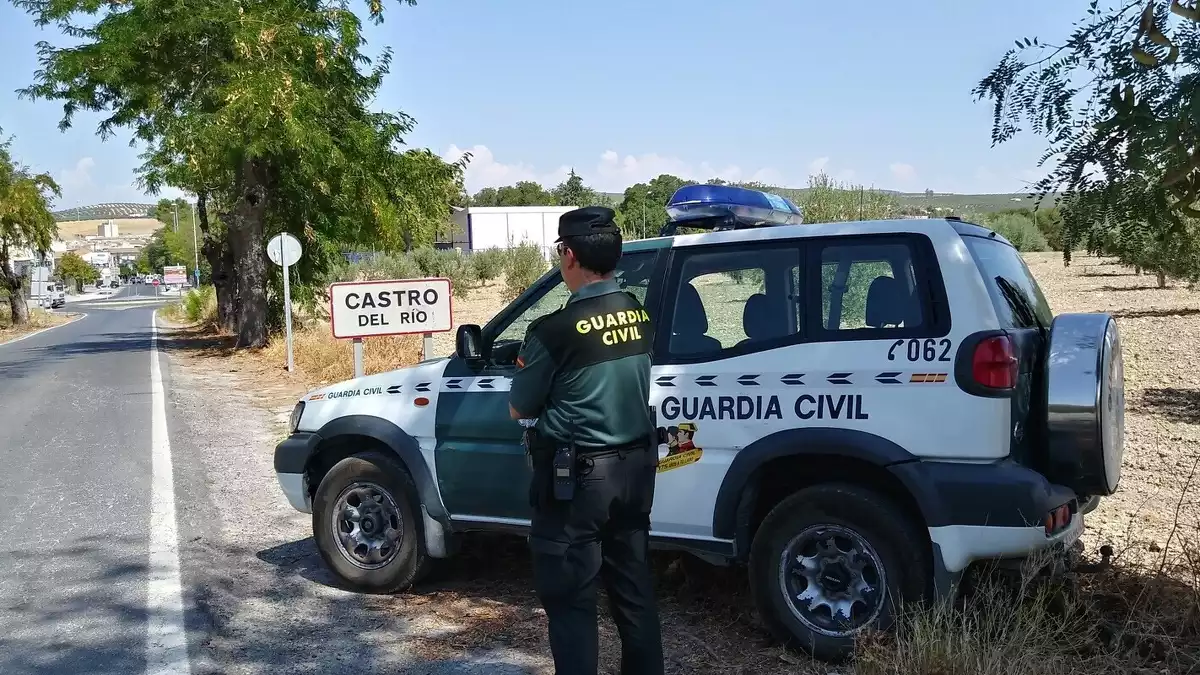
pixel 1014 291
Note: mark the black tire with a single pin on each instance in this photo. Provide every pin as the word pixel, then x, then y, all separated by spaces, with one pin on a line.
pixel 818 511
pixel 410 562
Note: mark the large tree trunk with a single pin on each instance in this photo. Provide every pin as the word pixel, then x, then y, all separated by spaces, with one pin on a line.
pixel 245 225
pixel 11 282
pixel 217 252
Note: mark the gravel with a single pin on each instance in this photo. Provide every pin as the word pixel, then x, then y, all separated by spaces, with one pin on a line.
pixel 266 604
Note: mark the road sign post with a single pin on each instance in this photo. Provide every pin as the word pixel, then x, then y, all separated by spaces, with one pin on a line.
pixel 361 309
pixel 285 250
pixel 358 357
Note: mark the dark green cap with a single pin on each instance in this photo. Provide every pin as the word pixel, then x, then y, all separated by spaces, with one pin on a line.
pixel 588 220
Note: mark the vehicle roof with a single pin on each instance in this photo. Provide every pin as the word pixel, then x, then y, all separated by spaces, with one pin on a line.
pixel 886 226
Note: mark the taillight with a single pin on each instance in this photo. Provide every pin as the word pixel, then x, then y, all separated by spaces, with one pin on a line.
pixel 994 363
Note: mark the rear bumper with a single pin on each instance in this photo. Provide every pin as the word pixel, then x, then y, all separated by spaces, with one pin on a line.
pixel 988 511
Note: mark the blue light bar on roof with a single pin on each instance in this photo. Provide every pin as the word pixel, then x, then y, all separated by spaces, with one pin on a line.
pixel 748 207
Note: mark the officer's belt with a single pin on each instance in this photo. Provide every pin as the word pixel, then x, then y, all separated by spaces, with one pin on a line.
pixel 605 450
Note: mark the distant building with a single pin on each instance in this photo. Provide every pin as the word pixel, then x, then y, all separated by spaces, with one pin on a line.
pixel 507 226
pixel 107 229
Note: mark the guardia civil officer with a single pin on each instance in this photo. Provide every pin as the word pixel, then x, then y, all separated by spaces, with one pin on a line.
pixel 584 374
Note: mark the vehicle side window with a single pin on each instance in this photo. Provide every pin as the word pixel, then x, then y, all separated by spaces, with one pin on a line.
pixel 873 286
pixel 553 300
pixel 997 260
pixel 633 274
pixel 731 300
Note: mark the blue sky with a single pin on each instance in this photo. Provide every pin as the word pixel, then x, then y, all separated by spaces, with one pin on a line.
pixel 872 91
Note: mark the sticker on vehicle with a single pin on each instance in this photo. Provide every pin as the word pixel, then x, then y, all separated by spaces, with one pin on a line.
pixel 681 447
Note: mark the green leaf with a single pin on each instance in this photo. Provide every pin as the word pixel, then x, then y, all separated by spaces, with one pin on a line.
pixel 1178 9
pixel 1145 58
pixel 1158 38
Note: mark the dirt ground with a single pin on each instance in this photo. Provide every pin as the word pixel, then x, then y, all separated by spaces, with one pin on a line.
pixel 1160 335
pixel 483 601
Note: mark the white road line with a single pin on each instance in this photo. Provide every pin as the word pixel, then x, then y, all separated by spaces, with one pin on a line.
pixel 166 639
pixel 39 332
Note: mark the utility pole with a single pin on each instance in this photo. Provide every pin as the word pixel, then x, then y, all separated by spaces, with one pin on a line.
pixel 176 218
pixel 195 247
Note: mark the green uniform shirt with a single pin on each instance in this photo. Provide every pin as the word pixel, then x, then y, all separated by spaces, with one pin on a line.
pixel 604 402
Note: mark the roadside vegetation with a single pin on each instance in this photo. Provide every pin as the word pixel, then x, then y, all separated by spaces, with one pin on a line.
pixel 36 320
pixel 25 223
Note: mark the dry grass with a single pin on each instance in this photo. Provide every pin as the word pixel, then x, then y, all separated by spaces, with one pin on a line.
pixel 126 227
pixel 1139 617
pixel 38 319
pixel 321 359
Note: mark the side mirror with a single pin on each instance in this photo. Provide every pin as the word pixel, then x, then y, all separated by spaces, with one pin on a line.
pixel 468 342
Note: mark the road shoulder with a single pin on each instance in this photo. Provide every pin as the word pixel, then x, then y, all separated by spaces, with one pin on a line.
pixel 260 597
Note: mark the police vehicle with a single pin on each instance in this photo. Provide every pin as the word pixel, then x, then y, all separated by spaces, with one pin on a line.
pixel 857 412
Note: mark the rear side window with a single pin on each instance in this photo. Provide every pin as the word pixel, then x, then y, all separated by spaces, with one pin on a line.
pixel 733 299
pixel 998 261
pixel 875 287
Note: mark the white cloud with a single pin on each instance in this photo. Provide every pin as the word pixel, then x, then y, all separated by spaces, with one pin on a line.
pixel 484 171
pixel 612 172
pixel 903 172
pixel 81 188
pixel 78 177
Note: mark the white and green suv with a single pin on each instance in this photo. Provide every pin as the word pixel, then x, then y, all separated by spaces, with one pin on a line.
pixel 856 412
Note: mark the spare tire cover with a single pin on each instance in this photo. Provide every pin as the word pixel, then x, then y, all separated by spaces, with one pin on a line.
pixel 1085 403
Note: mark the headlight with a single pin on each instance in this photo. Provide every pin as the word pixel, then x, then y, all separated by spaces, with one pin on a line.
pixel 297 413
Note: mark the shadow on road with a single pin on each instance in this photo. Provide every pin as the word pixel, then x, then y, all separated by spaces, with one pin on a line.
pixel 1181 405
pixel 26 361
pixel 1155 312
pixel 481 603
pixel 75 608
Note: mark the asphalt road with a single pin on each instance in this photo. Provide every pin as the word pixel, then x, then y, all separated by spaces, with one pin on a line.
pixel 141 529
pixel 74 495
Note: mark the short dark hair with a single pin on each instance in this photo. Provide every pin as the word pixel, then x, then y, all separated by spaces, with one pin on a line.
pixel 598 253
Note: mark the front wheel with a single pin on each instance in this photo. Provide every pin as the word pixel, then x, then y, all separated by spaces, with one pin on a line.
pixel 831 561
pixel 365 524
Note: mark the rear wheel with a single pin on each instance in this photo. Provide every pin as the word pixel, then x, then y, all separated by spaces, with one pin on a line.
pixel 365 524
pixel 831 561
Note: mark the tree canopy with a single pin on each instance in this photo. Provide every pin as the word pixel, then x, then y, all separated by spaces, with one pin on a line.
pixel 1118 102
pixel 261 110
pixel 25 222
pixel 71 266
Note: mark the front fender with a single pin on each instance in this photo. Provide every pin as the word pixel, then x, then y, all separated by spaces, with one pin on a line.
pixel 405 447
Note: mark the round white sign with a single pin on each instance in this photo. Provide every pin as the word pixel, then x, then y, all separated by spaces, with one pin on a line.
pixel 284 249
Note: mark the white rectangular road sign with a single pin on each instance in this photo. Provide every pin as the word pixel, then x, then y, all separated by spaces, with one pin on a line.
pixel 174 275
pixel 359 309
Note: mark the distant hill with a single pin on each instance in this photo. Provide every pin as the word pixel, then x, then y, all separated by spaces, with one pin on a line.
pixel 113 211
